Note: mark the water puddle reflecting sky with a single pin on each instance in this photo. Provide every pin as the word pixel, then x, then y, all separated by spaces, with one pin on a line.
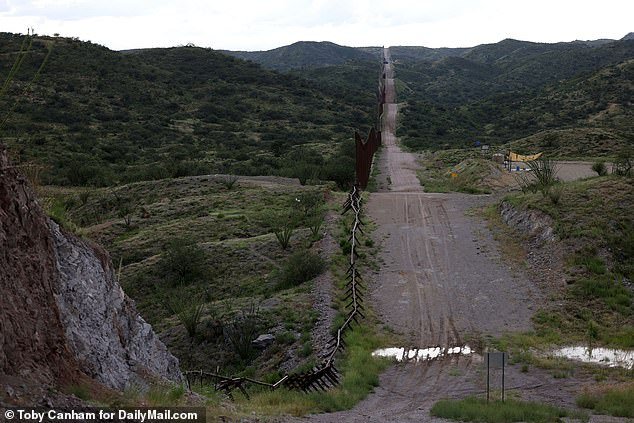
pixel 603 356
pixel 421 354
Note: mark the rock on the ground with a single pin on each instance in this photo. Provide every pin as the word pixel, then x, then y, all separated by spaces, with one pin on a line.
pixel 263 341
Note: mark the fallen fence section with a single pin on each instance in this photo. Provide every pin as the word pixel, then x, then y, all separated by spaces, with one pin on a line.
pixel 325 375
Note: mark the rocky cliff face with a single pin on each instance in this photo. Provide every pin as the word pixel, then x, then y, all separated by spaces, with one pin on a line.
pixel 62 311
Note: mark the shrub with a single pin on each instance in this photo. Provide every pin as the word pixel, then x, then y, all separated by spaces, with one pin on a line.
pixel 315 226
pixel 545 173
pixel 301 267
pixel 617 401
pixel 83 197
pixel 555 194
pixel 600 168
pixel 309 202
pixel 188 310
pixel 542 177
pixel 229 181
pixel 623 164
pixel 241 332
pixel 315 222
pixel 283 235
pixel 476 409
pixel 183 262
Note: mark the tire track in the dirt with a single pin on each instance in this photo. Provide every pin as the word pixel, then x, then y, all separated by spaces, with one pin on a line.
pixel 416 288
pixel 445 233
pixel 434 287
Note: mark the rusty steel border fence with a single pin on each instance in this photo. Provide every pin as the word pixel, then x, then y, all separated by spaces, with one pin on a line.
pixel 365 148
pixel 325 375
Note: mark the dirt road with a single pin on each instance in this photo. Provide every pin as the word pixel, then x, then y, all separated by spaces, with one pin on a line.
pixel 442 278
pixel 570 170
pixel 442 281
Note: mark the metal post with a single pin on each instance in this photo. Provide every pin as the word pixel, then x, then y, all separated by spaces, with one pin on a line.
pixel 503 365
pixel 487 378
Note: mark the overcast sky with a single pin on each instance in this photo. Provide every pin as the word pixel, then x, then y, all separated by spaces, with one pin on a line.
pixel 262 25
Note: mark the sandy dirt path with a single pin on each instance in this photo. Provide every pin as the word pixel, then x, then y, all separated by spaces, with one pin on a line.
pixel 441 281
pixel 442 278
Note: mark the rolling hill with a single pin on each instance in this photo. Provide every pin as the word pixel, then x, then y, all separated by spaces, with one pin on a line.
pixel 101 117
pixel 514 89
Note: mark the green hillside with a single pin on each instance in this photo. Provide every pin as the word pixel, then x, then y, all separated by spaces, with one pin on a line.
pixel 408 53
pixel 511 90
pixel 101 117
pixel 304 54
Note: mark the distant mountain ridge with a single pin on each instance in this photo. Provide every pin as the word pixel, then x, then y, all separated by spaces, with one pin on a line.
pixel 303 54
pixel 313 54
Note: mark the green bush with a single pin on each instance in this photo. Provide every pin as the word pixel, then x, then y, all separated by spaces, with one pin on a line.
pixel 241 332
pixel 309 202
pixel 609 289
pixel 555 194
pixel 284 235
pixel 544 171
pixel 183 262
pixel 623 164
pixel 229 181
pixel 600 168
pixel 300 267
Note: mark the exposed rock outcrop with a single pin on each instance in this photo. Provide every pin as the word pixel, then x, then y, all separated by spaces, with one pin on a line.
pixel 62 311
pixel 110 340
pixel 532 222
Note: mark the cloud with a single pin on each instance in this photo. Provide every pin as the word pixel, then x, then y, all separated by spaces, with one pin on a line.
pixel 255 25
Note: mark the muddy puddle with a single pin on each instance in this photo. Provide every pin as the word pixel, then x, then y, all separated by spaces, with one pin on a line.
pixel 422 354
pixel 603 356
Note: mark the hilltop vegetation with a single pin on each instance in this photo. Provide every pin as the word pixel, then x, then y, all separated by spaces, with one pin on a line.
pixel 513 89
pixel 305 54
pixel 100 117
